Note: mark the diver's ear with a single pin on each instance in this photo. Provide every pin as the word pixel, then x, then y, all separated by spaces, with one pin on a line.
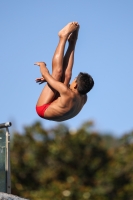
pixel 75 85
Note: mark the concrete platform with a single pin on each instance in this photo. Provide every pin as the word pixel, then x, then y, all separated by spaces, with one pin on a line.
pixel 5 196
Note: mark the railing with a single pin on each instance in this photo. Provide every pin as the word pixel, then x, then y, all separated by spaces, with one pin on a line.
pixel 5 173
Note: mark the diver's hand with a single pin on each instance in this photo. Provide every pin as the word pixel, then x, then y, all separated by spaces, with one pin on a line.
pixel 43 69
pixel 40 80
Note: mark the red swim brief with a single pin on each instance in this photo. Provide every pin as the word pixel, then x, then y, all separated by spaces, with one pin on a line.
pixel 41 109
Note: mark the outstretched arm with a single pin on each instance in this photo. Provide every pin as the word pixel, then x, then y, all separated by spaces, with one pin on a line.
pixel 46 77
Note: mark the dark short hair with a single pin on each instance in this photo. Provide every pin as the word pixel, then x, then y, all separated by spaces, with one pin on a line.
pixel 84 83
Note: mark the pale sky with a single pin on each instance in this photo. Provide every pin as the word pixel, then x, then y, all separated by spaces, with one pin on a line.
pixel 29 33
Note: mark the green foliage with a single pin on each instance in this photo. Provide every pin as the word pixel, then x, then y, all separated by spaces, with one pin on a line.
pixel 75 165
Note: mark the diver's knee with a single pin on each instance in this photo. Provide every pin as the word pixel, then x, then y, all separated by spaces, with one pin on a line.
pixel 57 73
pixel 68 76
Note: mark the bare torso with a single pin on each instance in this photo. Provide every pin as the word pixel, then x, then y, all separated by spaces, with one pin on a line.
pixel 63 109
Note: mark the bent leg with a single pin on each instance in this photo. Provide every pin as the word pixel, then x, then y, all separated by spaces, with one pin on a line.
pixel 48 94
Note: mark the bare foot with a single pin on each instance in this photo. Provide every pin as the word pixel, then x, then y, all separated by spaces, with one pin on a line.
pixel 72 38
pixel 69 28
